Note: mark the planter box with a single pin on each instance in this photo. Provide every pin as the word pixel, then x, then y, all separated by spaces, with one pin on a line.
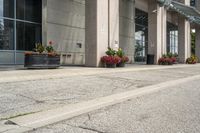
pixel 110 65
pixel 41 61
pixel 121 64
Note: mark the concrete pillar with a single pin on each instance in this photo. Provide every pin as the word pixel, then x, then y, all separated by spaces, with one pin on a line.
pixel 114 24
pixel 102 29
pixel 44 22
pixel 184 39
pixel 127 28
pixel 184 35
pixel 157 30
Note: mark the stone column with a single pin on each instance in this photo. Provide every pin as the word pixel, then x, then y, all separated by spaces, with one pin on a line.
pixel 114 24
pixel 102 29
pixel 184 37
pixel 127 28
pixel 157 30
pixel 44 22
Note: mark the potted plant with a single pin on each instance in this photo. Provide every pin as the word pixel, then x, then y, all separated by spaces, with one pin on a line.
pixel 123 59
pixel 168 59
pixel 165 61
pixel 192 60
pixel 42 57
pixel 110 61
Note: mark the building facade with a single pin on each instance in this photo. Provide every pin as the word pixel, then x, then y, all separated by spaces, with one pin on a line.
pixel 81 30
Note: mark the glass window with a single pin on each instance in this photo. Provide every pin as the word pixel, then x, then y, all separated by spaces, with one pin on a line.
pixel 6 34
pixel 192 2
pixel 29 10
pixel 7 8
pixel 27 35
pixel 141 35
pixel 172 38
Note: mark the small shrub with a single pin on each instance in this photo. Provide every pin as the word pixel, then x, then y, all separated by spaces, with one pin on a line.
pixel 50 48
pixel 39 48
pixel 120 53
pixel 192 60
pixel 110 52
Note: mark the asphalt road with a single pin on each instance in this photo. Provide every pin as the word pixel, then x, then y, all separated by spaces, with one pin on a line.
pixel 171 110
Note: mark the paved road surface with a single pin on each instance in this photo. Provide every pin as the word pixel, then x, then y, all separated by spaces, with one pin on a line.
pixel 172 110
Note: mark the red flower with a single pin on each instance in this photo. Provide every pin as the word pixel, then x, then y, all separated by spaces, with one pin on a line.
pixel 165 61
pixel 173 59
pixel 110 59
pixel 50 42
pixel 124 59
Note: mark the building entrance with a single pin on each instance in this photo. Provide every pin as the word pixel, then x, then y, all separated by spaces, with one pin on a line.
pixel 141 36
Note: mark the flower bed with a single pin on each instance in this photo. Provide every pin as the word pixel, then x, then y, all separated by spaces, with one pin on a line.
pixel 110 61
pixel 42 57
pixel 114 58
pixel 168 59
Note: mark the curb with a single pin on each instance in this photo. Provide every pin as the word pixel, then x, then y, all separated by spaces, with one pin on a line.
pixel 64 73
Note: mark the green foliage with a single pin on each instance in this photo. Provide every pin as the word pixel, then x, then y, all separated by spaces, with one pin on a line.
pixel 111 52
pixel 49 49
pixel 39 48
pixel 138 48
pixel 120 53
pixel 192 60
pixel 169 55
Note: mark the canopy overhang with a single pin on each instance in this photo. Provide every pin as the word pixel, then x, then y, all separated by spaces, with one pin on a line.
pixel 191 13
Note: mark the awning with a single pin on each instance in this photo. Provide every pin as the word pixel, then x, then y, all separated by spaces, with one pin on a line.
pixel 164 2
pixel 191 13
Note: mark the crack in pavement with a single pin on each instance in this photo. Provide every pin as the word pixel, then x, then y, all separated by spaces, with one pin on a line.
pixel 90 129
pixel 87 128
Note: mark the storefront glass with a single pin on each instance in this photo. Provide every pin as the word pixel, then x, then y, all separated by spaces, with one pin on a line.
pixel 141 35
pixel 20 28
pixel 172 38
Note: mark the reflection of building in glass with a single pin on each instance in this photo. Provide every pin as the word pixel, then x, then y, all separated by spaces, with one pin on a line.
pixel 193 2
pixel 6 35
pixel 172 38
pixel 141 35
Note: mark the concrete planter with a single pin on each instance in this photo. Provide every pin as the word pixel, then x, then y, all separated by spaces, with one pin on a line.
pixel 41 61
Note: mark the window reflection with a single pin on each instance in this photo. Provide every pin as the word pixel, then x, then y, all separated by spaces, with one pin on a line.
pixel 6 34
pixel 141 35
pixel 30 10
pixel 172 38
pixel 27 35
pixel 7 8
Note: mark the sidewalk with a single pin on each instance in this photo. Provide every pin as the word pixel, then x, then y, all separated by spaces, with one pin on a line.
pixel 25 92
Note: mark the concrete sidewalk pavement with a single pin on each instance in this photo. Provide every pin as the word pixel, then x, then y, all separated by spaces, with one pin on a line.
pixel 43 90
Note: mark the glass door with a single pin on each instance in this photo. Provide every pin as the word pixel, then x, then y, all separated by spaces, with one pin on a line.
pixel 141 36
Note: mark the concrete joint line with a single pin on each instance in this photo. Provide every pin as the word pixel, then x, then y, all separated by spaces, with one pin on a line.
pixel 44 118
